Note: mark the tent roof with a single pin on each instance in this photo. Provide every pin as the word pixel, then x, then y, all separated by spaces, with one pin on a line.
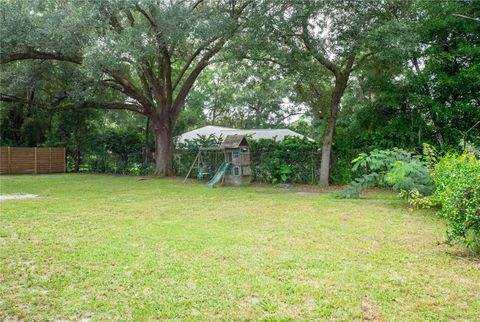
pixel 255 134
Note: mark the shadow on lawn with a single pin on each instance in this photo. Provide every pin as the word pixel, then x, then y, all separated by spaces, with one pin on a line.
pixel 463 254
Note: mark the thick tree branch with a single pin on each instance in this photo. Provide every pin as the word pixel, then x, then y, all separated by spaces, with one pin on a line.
pixel 195 5
pixel 314 52
pixel 147 16
pixel 106 106
pixel 146 86
pixel 116 24
pixel 349 67
pixel 41 56
pixel 416 66
pixel 132 91
pixel 186 66
pixel 111 83
pixel 130 18
pixel 319 57
pixel 158 92
pixel 164 82
pixel 187 85
pixel 56 107
pixel 12 98
pixel 204 61
pixel 167 76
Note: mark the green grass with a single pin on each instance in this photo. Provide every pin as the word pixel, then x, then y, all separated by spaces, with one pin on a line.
pixel 105 247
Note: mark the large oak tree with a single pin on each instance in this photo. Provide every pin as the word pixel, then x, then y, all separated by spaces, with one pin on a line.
pixel 143 56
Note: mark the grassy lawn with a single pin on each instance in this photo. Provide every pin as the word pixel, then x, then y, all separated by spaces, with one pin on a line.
pixel 105 247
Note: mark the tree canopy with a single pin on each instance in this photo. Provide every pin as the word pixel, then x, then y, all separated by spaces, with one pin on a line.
pixel 138 56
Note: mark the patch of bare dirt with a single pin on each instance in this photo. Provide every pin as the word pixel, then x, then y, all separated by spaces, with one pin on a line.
pixel 302 189
pixel 370 310
pixel 245 303
pixel 17 196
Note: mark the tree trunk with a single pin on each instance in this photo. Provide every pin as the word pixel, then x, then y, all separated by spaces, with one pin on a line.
pixel 146 150
pixel 437 129
pixel 340 84
pixel 440 139
pixel 164 147
pixel 76 159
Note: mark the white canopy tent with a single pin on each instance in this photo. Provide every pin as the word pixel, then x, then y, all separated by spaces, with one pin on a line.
pixel 256 134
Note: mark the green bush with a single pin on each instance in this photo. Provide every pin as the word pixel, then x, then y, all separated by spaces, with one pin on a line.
pixel 341 171
pixel 396 169
pixel 417 200
pixel 135 170
pixel 292 160
pixel 283 173
pixel 457 181
pixel 410 175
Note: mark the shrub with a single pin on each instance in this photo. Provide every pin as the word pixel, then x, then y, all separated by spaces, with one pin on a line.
pixel 417 200
pixel 341 171
pixel 293 160
pixel 457 181
pixel 135 170
pixel 282 174
pixel 410 175
pixel 397 169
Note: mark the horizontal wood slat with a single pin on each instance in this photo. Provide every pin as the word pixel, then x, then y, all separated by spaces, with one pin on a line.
pixel 31 160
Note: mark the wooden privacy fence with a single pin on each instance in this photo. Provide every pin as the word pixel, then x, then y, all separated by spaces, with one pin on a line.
pixel 31 160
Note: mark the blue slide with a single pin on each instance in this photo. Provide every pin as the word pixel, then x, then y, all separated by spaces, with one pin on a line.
pixel 221 171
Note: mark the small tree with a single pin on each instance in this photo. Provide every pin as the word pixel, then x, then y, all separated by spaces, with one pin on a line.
pixel 333 37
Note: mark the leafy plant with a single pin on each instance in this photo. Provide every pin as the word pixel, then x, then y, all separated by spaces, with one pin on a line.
pixel 396 168
pixel 352 190
pixel 416 200
pixel 430 155
pixel 135 170
pixel 282 174
pixel 294 159
pixel 457 181
pixel 408 176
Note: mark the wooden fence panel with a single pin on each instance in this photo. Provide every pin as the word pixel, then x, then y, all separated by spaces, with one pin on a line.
pixel 4 156
pixel 22 160
pixel 31 160
pixel 43 160
pixel 58 160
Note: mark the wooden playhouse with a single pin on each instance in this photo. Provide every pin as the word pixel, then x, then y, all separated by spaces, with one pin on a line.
pixel 237 153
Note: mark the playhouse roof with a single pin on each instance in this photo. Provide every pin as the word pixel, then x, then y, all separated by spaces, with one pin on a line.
pixel 234 141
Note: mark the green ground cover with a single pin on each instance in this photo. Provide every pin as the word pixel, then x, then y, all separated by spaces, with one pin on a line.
pixel 106 247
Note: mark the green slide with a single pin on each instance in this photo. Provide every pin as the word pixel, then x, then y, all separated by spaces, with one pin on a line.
pixel 221 171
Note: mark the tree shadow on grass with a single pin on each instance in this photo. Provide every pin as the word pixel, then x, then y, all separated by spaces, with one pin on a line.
pixel 462 253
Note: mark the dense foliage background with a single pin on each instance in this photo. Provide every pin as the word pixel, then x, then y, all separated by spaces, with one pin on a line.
pixel 415 79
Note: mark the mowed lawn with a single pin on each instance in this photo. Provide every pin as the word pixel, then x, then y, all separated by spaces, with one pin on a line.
pixel 105 247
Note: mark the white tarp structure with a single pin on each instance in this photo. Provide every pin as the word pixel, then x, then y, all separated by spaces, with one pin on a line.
pixel 256 134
